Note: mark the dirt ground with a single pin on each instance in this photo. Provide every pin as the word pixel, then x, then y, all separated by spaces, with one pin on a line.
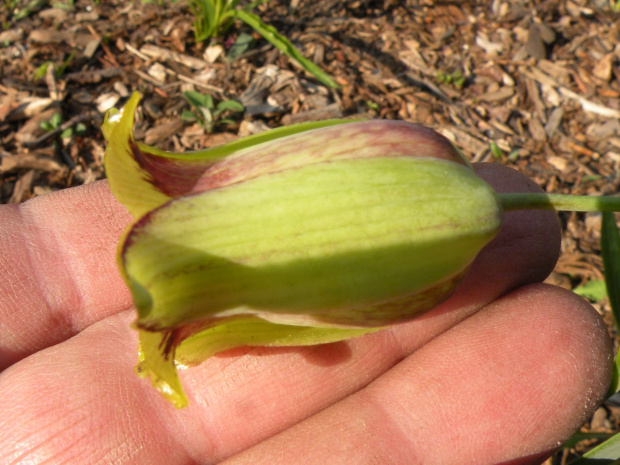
pixel 531 84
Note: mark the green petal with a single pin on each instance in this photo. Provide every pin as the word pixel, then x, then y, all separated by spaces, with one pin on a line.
pixel 159 366
pixel 158 361
pixel 295 246
pixel 251 332
pixel 310 255
pixel 130 183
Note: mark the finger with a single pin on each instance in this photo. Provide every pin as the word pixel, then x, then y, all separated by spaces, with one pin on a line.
pixel 507 385
pixel 80 402
pixel 82 399
pixel 58 269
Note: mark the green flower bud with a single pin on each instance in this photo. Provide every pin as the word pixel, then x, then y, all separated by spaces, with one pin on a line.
pixel 303 237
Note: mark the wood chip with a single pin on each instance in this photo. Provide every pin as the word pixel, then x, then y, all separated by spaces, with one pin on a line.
pixel 559 163
pixel 589 106
pixel 464 140
pixel 260 83
pixel 535 46
pixel 106 101
pixel 157 72
pixel 26 108
pixel 30 162
pixel 555 119
pixel 328 112
pixel 160 53
pixel 502 94
pixel 491 48
pixel 32 129
pixel 533 94
pixel 602 69
pixel 556 70
pixel 212 53
pixel 86 16
pixel 57 15
pixel 604 130
pixel 12 35
pixel 163 131
pixel 50 36
pixel 22 187
pixel 536 129
pixel 247 128
pixel 94 76
pixel 91 48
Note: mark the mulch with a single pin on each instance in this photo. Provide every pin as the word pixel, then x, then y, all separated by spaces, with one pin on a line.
pixel 533 84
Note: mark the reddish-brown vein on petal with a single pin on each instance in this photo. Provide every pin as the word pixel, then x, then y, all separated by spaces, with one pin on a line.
pixel 365 139
pixel 172 176
pixel 175 176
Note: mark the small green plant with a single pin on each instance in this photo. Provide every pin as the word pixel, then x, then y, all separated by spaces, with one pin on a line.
pixel 456 78
pixel 242 44
pixel 23 12
pixel 372 105
pixel 205 112
pixel 10 5
pixel 594 290
pixel 64 5
pixel 55 122
pixel 41 71
pixel 496 151
pixel 214 18
pixel 614 5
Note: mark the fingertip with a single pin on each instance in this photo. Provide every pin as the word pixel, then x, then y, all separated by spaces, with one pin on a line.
pixel 528 245
pixel 536 364
pixel 575 336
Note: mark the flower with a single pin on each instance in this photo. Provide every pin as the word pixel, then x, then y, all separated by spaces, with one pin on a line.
pixel 301 235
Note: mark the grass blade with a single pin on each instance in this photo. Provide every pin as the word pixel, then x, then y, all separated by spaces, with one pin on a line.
pixel 608 453
pixel 230 105
pixel 610 245
pixel 285 46
pixel 610 250
pixel 579 436
pixel 603 454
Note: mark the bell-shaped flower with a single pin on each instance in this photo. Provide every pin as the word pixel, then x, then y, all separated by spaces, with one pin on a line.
pixel 301 235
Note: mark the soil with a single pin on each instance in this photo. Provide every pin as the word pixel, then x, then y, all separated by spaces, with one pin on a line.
pixel 534 85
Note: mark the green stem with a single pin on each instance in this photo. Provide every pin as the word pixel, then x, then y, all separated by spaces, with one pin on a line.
pixel 575 203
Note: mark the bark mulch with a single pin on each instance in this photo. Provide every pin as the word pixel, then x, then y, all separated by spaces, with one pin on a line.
pixel 533 84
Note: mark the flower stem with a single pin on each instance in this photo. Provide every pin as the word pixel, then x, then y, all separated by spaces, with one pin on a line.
pixel 576 203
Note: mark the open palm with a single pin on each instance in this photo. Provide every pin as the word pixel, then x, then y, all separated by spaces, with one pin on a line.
pixel 502 372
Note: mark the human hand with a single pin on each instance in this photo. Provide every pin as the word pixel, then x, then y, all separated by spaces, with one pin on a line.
pixel 502 372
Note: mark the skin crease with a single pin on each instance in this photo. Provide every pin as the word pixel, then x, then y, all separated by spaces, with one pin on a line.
pixel 473 381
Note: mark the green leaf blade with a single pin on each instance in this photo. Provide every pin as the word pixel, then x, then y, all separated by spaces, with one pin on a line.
pixel 607 453
pixel 595 290
pixel 610 250
pixel 285 46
